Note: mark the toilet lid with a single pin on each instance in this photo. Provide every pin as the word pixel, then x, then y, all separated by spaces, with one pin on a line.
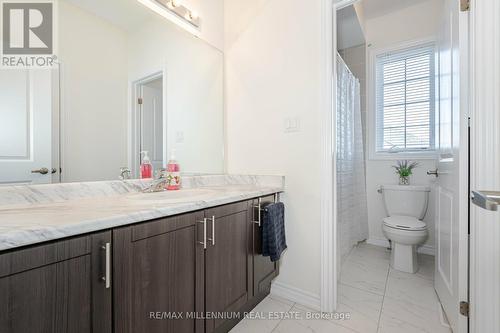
pixel 405 223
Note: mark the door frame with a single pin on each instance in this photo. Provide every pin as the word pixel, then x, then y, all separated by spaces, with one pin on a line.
pixel 465 113
pixel 57 122
pixel 485 165
pixel 328 205
pixel 133 133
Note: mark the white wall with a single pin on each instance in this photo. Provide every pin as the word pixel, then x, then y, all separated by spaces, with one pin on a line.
pixel 94 95
pixel 272 73
pixel 418 21
pixel 412 23
pixel 212 20
pixel 194 91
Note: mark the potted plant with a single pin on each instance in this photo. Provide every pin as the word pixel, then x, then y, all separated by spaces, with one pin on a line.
pixel 404 169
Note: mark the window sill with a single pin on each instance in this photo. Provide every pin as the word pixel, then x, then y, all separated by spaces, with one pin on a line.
pixel 428 155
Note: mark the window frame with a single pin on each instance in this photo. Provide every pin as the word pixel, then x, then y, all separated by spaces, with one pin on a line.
pixel 371 136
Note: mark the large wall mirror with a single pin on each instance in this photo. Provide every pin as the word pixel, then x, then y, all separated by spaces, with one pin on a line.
pixel 127 80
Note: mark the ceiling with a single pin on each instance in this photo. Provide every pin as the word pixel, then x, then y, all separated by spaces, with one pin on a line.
pixel 376 8
pixel 126 14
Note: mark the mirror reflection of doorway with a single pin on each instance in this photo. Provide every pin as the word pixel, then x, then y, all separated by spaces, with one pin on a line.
pixel 29 126
pixel 149 122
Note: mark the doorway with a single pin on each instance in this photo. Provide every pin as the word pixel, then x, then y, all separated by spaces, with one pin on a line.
pixel 413 110
pixel 148 125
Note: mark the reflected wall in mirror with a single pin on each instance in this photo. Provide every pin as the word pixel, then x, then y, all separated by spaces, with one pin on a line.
pixel 128 80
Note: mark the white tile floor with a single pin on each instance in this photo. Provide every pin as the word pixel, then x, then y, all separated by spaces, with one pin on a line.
pixel 378 298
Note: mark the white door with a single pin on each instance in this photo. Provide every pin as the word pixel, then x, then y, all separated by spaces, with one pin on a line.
pixel 26 126
pixel 485 166
pixel 151 128
pixel 452 167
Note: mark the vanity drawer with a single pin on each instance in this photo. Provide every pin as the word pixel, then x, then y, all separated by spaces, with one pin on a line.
pixel 229 209
pixel 162 226
pixel 36 256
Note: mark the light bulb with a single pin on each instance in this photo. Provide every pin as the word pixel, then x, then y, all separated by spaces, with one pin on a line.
pixel 191 16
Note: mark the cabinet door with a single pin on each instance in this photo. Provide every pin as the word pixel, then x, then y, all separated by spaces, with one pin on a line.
pixel 158 275
pixel 227 262
pixel 264 270
pixel 56 288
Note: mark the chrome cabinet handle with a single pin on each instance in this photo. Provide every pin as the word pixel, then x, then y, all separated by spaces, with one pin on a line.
pixel 204 243
pixel 488 200
pixel 433 173
pixel 107 277
pixel 213 230
pixel 259 209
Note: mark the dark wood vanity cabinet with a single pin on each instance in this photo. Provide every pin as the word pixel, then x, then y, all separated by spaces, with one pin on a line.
pixel 159 276
pixel 56 288
pixel 227 264
pixel 170 275
pixel 193 266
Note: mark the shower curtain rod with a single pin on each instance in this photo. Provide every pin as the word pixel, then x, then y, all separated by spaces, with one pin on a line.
pixel 343 61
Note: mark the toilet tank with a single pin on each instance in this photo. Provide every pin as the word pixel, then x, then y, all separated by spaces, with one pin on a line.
pixel 406 200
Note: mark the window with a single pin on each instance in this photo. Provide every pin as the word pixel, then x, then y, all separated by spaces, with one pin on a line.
pixel 405 103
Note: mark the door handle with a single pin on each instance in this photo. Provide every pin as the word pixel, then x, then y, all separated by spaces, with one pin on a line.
pixel 213 230
pixel 42 171
pixel 204 243
pixel 488 200
pixel 107 277
pixel 433 173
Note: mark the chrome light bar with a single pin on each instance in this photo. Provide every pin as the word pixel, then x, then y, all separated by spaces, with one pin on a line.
pixel 174 11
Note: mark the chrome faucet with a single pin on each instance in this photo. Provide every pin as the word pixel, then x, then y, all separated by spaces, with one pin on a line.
pixel 125 173
pixel 159 183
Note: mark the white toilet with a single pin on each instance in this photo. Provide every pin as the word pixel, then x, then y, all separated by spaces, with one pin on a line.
pixel 406 207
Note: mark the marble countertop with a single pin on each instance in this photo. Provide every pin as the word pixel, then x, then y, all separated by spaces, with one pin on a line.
pixel 24 224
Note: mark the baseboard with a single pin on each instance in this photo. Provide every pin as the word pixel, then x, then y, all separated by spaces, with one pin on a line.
pixel 424 249
pixel 296 295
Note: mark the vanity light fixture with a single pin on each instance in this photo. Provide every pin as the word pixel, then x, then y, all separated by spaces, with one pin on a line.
pixel 176 12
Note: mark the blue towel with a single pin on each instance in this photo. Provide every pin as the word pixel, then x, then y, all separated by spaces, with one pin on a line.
pixel 273 231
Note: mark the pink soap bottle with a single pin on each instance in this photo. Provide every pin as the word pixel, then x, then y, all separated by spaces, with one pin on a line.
pixel 173 173
pixel 146 166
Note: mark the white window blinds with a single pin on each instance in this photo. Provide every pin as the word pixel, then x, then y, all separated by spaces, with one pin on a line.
pixel 405 104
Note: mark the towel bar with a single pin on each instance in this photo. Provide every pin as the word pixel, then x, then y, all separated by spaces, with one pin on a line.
pixel 260 209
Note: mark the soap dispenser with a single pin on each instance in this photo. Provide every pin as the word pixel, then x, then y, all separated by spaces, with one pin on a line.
pixel 146 166
pixel 173 173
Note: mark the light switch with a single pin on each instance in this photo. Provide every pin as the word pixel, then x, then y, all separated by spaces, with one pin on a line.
pixel 292 124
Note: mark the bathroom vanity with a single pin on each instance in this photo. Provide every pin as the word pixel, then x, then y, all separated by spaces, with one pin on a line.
pixel 194 270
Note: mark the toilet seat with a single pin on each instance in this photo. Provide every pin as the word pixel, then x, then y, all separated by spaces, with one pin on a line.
pixel 404 223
